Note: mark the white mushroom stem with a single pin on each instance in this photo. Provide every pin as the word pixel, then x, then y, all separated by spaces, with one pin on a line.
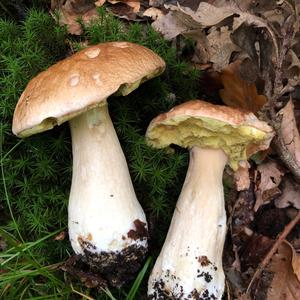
pixel 104 214
pixel 190 263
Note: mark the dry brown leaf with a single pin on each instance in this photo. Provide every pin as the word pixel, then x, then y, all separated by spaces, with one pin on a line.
pixel 135 5
pixel 220 47
pixel 268 177
pixel 215 47
pixel 222 18
pixel 274 15
pixel 153 13
pixel 294 67
pixel 99 3
pixel 289 131
pixel 238 92
pixel 123 11
pixel 285 266
pixel 61 236
pixel 72 11
pixel 290 194
pixel 208 15
pixel 295 262
pixel 175 23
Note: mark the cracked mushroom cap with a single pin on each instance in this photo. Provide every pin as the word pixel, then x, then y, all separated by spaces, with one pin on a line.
pixel 82 82
pixel 198 123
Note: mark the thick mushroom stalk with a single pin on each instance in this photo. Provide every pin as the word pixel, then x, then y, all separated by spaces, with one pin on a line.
pixel 190 263
pixel 107 225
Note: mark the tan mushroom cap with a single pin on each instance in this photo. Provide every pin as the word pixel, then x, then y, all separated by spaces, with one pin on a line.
pixel 81 82
pixel 199 123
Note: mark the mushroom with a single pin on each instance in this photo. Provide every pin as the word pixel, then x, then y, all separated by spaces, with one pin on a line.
pixel 189 265
pixel 107 225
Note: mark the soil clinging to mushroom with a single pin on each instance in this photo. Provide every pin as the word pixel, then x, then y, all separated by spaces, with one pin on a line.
pixel 161 293
pixel 116 268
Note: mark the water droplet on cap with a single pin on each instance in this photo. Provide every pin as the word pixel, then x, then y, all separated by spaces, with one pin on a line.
pixel 74 80
pixel 121 44
pixel 92 52
pixel 96 77
pixel 27 99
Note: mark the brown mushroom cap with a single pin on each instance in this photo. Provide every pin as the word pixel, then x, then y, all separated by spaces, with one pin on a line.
pixel 81 82
pixel 198 123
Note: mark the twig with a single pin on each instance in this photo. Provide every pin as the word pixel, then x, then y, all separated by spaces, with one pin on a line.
pixel 274 248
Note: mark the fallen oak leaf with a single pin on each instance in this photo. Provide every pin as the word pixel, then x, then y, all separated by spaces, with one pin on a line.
pixel 293 65
pixel 223 15
pixel 74 10
pixel 135 5
pixel 287 139
pixel 220 47
pixel 123 11
pixel 288 228
pixel 208 15
pixel 295 261
pixel 290 194
pixel 285 266
pixel 238 92
pixel 267 179
pixel 174 23
pixel 135 10
pixel 153 13
pixel 289 131
pixel 215 47
pixel 192 4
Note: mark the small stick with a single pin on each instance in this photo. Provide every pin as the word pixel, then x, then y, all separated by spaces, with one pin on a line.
pixel 274 248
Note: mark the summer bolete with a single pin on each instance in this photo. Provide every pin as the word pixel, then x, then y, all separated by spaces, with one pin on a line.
pixel 107 225
pixel 190 263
